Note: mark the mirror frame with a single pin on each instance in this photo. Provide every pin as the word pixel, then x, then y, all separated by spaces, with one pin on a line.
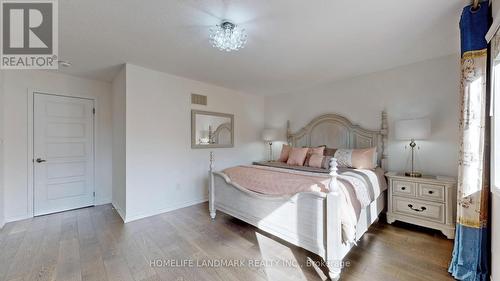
pixel 195 112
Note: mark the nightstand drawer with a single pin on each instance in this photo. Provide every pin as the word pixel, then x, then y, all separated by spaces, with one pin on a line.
pixel 423 210
pixel 431 191
pixel 404 188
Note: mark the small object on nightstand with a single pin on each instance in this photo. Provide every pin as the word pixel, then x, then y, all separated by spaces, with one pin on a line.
pixel 427 201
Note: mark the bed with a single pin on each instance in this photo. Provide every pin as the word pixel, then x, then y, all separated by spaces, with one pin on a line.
pixel 311 219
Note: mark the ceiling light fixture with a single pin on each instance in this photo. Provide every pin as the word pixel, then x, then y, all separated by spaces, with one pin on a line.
pixel 228 37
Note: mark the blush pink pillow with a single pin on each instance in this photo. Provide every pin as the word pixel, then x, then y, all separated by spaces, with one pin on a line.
pixel 285 152
pixel 364 158
pixel 297 156
pixel 316 150
pixel 316 160
pixel 313 150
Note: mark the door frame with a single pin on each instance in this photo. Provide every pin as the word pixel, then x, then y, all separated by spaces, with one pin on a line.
pixel 31 149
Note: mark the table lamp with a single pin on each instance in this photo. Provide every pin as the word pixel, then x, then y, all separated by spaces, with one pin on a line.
pixel 413 129
pixel 268 136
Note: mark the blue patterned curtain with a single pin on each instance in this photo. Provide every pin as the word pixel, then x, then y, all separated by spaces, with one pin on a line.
pixel 471 251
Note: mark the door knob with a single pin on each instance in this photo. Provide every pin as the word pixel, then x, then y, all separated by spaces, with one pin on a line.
pixel 40 160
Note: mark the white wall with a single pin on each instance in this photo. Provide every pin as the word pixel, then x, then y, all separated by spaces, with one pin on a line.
pixel 427 88
pixel 163 172
pixel 16 85
pixel 2 205
pixel 118 102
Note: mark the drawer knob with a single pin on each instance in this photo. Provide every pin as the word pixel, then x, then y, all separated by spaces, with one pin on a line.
pixel 403 188
pixel 417 210
pixel 431 192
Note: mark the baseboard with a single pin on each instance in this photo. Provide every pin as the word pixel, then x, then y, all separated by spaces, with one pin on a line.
pixel 16 218
pixel 164 210
pixel 103 201
pixel 122 213
pixel 119 210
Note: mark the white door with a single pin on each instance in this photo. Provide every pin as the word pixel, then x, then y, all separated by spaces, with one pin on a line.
pixel 63 148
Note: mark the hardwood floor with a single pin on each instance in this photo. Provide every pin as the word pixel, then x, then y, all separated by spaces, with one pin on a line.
pixel 94 244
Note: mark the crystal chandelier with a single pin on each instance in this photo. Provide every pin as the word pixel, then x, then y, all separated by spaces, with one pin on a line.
pixel 228 37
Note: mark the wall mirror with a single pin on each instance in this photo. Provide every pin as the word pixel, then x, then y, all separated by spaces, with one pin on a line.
pixel 211 129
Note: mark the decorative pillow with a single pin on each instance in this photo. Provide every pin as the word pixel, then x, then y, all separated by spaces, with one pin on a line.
pixel 316 160
pixel 297 156
pixel 285 152
pixel 329 151
pixel 357 158
pixel 316 150
pixel 319 161
pixel 326 162
pixel 313 150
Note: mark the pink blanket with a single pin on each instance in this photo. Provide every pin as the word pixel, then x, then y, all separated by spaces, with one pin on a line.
pixel 277 181
pixel 365 184
pixel 359 187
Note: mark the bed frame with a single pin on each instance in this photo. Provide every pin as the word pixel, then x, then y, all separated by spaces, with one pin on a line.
pixel 316 224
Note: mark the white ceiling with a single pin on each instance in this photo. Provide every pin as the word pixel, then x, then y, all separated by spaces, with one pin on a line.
pixel 292 44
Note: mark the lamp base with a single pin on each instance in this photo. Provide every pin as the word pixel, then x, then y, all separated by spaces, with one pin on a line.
pixel 413 174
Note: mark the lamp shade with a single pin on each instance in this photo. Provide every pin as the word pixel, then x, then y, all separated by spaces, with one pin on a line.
pixel 270 134
pixel 413 129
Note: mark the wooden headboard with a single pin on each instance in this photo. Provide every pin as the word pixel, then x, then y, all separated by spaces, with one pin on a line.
pixel 336 131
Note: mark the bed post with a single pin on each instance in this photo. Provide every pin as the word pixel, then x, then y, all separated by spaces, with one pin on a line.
pixel 385 134
pixel 333 224
pixel 211 187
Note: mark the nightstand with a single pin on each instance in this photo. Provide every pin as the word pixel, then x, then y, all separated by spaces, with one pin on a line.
pixel 428 201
